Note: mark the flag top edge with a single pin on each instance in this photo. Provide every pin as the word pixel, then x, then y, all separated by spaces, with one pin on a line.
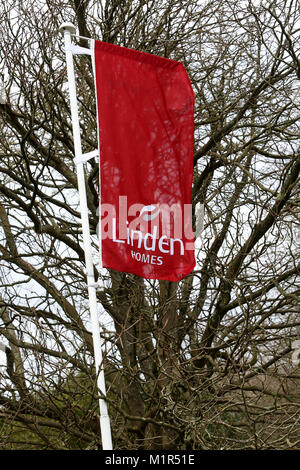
pixel 136 55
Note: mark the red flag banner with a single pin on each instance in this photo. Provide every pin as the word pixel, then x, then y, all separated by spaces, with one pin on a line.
pixel 145 107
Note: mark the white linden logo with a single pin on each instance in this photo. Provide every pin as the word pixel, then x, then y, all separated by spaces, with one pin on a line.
pixel 147 217
pixel 148 241
pixel 151 229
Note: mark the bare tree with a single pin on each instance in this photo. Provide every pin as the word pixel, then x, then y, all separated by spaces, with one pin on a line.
pixel 200 364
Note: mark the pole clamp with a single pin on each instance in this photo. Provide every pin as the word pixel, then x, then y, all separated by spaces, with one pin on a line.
pixel 85 157
pixel 78 50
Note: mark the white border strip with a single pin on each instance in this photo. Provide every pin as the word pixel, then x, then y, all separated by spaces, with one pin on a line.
pixel 99 153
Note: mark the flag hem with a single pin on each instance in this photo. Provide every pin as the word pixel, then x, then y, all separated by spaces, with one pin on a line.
pixel 99 149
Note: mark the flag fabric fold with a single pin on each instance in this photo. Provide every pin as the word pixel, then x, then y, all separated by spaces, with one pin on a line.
pixel 145 111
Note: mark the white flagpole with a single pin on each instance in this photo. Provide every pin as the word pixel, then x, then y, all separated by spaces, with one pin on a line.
pixel 67 29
